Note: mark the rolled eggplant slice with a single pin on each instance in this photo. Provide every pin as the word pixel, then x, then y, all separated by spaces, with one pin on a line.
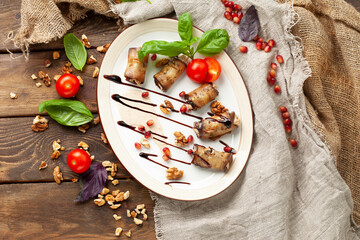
pixel 216 126
pixel 208 157
pixel 169 74
pixel 202 95
pixel 135 69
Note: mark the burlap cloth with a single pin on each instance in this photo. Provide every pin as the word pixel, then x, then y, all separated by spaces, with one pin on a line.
pixel 282 194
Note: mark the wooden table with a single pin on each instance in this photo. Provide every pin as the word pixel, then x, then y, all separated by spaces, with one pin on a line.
pixel 32 204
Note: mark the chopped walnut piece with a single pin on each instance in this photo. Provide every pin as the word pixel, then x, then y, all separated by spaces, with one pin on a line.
pixel 145 217
pixel 109 178
pixel 43 165
pixel 111 203
pixel 62 148
pixel 91 60
pixel 57 175
pixel 145 143
pixel 66 69
pixel 56 55
pixel 56 77
pixel 100 196
pixel 104 48
pixel 92 157
pixel 164 109
pixel 42 74
pixel 99 201
pixel 128 234
pixel 103 138
pixel 115 206
pixel 67 64
pixel 74 180
pixel 138 221
pixel 113 169
pixel 96 72
pixel 118 231
pixel 47 63
pixel 109 198
pixel 137 211
pixel 115 192
pixel 140 206
pixel 115 182
pixel 106 164
pixel 116 217
pixel 85 41
pixel 96 120
pixel 40 119
pixel 105 191
pixel 56 146
pixel 128 214
pixel 120 197
pixel 143 211
pixel 169 105
pixel 174 174
pixel 126 195
pixel 45 78
pixel 133 214
pixel 81 81
pixel 33 76
pixel 38 84
pixel 84 127
pixel 162 62
pixel 217 108
pixel 55 155
pixel 13 95
pixel 83 145
pixel 180 140
pixel 39 124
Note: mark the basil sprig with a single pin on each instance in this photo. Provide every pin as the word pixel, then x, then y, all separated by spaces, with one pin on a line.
pixel 212 42
pixel 75 51
pixel 67 112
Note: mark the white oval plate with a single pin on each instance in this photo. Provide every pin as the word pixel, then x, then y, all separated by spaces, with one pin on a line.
pixel 204 183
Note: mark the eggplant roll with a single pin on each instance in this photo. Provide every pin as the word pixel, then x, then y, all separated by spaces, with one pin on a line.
pixel 208 157
pixel 169 74
pixel 216 126
pixel 202 95
pixel 135 69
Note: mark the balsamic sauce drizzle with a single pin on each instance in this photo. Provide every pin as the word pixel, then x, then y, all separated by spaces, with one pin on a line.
pixel 168 183
pixel 124 124
pixel 147 155
pixel 138 101
pixel 169 144
pixel 177 160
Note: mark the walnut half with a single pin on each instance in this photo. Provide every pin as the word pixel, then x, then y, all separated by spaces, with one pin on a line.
pixel 180 140
pixel 57 175
pixel 174 174
pixel 217 108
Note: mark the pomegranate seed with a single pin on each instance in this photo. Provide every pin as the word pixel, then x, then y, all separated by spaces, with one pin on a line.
pixel 285 115
pixel 183 109
pixel 223 1
pixel 267 48
pixel 256 38
pixel 263 45
pixel 226 3
pixel 230 4
pixel 182 94
pixel 190 139
pixel 283 109
pixel 234 14
pixel 228 10
pixel 137 145
pixel 166 151
pixel 288 128
pixel 237 7
pixel 272 73
pixel 273 66
pixel 150 122
pixel 277 89
pixel 236 19
pixel 227 149
pixel 280 59
pixel 147 134
pixel 271 43
pixel 260 40
pixel 293 143
pixel 271 81
pixel 227 15
pixel 153 57
pixel 240 16
pixel 287 121
pixel 190 151
pixel 145 94
pixel 243 49
pixel 141 128
pixel 165 158
pixel 258 46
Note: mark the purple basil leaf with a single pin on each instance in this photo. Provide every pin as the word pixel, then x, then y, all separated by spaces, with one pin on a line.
pixel 92 182
pixel 249 25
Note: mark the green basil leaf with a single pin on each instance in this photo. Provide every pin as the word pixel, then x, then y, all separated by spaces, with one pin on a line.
pixel 194 40
pixel 185 27
pixel 170 49
pixel 67 112
pixel 212 42
pixel 75 51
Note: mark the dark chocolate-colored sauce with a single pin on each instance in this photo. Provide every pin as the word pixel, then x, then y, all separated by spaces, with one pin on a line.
pixel 168 183
pixel 117 79
pixel 177 160
pixel 147 155
pixel 169 144
pixel 187 114
pixel 124 124
pixel 117 98
pixel 139 101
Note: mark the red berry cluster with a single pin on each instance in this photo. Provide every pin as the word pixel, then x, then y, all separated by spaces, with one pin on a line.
pixel 265 46
pixel 232 11
pixel 287 124
pixel 272 74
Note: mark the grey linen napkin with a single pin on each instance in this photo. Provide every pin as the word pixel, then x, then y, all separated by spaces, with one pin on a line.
pixel 284 193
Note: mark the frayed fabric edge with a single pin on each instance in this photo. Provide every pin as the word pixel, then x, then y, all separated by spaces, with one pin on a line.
pixel 158 225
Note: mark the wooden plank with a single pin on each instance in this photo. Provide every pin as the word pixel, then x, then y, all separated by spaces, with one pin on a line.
pixel 22 150
pixel 99 29
pixel 47 211
pixel 16 77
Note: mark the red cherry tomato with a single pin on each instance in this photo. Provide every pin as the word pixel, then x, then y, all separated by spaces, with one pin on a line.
pixel 197 70
pixel 78 160
pixel 213 71
pixel 67 85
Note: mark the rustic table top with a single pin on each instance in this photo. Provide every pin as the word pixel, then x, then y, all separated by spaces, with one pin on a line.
pixel 33 205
